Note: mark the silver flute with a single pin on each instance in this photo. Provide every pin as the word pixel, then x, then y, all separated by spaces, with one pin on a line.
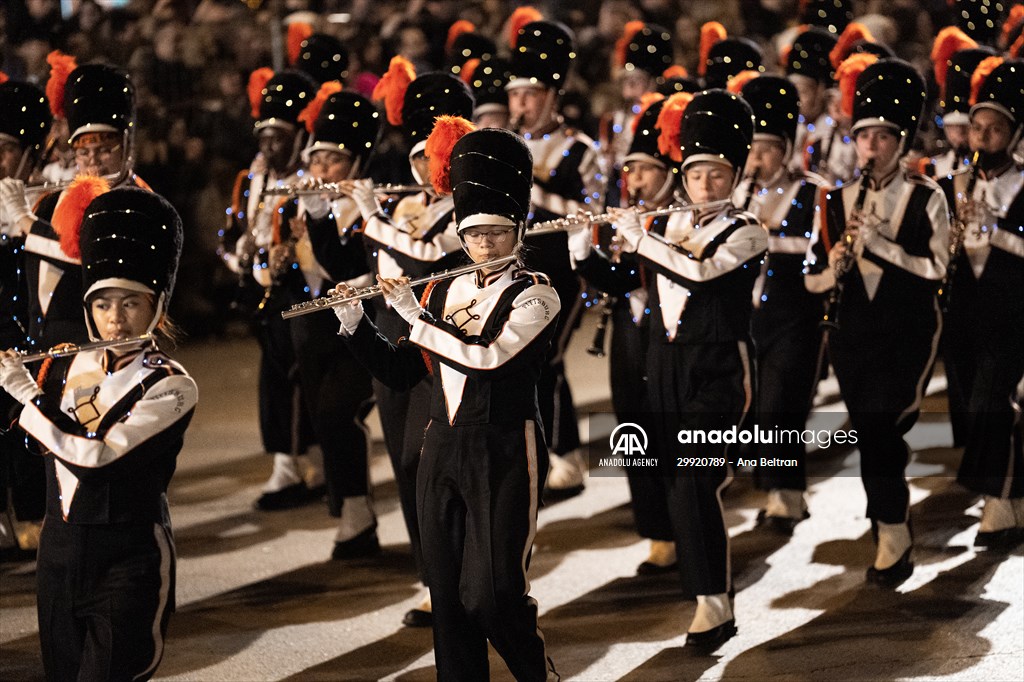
pixel 333 189
pixel 580 220
pixel 325 302
pixel 67 349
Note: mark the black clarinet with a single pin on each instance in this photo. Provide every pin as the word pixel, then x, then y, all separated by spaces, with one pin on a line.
pixel 843 265
pixel 957 232
pixel 597 344
pixel 750 188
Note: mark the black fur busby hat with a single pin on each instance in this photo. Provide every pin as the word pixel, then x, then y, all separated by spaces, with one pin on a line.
pixel 99 98
pixel 1002 90
pixel 644 146
pixel 809 56
pixel 283 98
pixel 491 178
pixel 679 84
pixel 130 238
pixel 956 94
pixel 429 96
pixel 24 115
pixel 831 15
pixel 347 122
pixel 890 93
pixel 730 56
pixel 982 20
pixel 469 45
pixel 645 47
pixel 542 55
pixel 717 126
pixel 323 58
pixel 776 107
pixel 488 80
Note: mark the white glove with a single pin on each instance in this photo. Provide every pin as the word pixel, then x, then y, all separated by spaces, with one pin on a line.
pixel 405 304
pixel 15 204
pixel 366 200
pixel 581 243
pixel 316 206
pixel 16 380
pixel 349 315
pixel 627 223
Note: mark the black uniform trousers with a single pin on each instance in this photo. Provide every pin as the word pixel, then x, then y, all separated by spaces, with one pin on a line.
pixel 105 596
pixel 478 491
pixel 883 354
pixel 700 386
pixel 338 397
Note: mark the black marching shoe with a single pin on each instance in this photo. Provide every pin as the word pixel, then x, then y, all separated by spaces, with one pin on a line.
pixel 290 497
pixel 418 618
pixel 781 525
pixel 361 546
pixel 709 640
pixel 1004 538
pixel 893 576
pixel 651 568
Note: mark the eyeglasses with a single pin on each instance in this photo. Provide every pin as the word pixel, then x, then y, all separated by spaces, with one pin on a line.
pixel 496 236
pixel 101 153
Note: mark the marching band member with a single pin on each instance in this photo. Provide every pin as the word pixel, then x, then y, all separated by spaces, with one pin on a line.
pixel 723 56
pixel 984 343
pixel 344 129
pixel 485 335
pixel 567 179
pixel 652 176
pixel 415 239
pixel 487 79
pixel 285 430
pixel 699 364
pixel 809 68
pixel 786 316
pixel 110 423
pixel 898 224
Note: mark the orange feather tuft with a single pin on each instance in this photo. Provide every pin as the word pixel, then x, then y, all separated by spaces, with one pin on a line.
pixel 711 33
pixel 521 17
pixel 70 210
pixel 622 44
pixel 736 83
pixel 457 29
pixel 258 80
pixel 670 120
pixel 844 46
pixel 847 74
pixel 1018 45
pixel 3 78
pixel 646 100
pixel 447 131
pixel 986 67
pixel 61 66
pixel 392 86
pixel 312 110
pixel 468 69
pixel 675 71
pixel 949 41
pixel 297 32
pixel 1014 20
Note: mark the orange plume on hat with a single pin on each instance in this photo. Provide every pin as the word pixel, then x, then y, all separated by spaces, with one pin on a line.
pixel 711 33
pixel 949 41
pixel 847 75
pixel 521 17
pixel 675 71
pixel 736 83
pixel 258 80
pixel 297 32
pixel 1013 22
pixel 447 131
pixel 468 69
pixel 312 110
pixel 61 66
pixel 985 68
pixel 70 210
pixel 392 86
pixel 646 100
pixel 670 121
pixel 854 32
pixel 1018 45
pixel 622 44
pixel 457 29
pixel 3 78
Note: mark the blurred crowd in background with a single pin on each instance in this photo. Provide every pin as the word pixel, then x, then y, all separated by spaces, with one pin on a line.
pixel 190 60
